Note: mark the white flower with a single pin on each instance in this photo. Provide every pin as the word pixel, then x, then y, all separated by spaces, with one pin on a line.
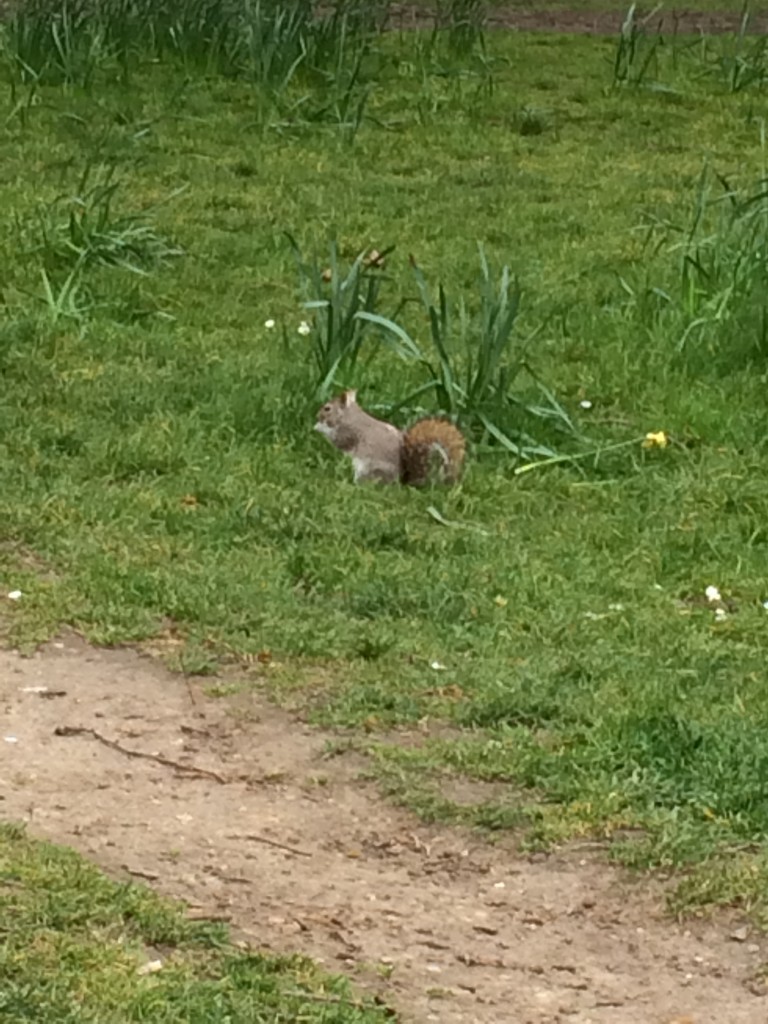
pixel 269 324
pixel 304 328
pixel 437 666
pixel 712 594
pixel 14 595
pixel 720 614
pixel 151 967
pixel 585 403
pixel 765 605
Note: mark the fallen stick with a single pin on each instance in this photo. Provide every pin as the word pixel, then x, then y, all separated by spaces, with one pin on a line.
pixel 203 773
pixel 272 842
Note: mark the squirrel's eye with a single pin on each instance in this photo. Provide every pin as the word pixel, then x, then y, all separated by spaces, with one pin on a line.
pixel 327 408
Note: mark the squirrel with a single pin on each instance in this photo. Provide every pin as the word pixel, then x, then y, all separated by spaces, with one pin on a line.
pixel 381 452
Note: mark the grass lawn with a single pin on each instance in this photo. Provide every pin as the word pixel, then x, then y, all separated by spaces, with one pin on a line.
pixel 84 949
pixel 158 470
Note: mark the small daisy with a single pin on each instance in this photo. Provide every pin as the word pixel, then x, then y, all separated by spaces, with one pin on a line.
pixel 585 403
pixel 304 328
pixel 269 324
pixel 712 594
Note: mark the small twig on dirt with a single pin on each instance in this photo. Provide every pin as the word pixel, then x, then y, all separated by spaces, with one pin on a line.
pixel 150 876
pixel 198 914
pixel 69 730
pixel 190 730
pixel 480 961
pixel 434 944
pixel 190 692
pixel 273 842
pixel 230 878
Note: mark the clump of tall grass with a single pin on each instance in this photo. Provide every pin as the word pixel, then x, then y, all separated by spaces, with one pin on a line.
pixel 705 290
pixel 68 300
pixel 265 41
pixel 636 53
pixel 54 43
pixel 455 51
pixel 738 60
pixel 339 99
pixel 741 62
pixel 82 228
pixel 336 297
pixel 465 20
pixel 476 366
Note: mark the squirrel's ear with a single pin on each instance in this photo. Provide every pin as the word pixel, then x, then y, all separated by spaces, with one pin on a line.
pixel 349 397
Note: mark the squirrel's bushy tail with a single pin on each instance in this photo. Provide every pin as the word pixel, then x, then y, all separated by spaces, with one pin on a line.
pixel 432 444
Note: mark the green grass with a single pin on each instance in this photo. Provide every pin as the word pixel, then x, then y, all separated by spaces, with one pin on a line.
pixel 158 461
pixel 76 945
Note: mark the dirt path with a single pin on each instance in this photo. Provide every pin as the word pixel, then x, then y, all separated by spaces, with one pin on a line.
pixel 470 933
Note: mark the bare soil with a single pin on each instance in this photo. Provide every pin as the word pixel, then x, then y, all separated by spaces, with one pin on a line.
pixel 239 810
pixel 580 20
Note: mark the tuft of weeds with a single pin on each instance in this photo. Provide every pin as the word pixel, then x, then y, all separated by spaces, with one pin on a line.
pixel 343 300
pixel 741 62
pixel 83 228
pixel 642 55
pixel 67 301
pixel 636 54
pixel 49 43
pixel 529 121
pixel 466 26
pixel 712 307
pixel 274 41
pixel 478 369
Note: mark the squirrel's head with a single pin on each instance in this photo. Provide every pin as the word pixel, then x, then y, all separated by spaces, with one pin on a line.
pixel 334 412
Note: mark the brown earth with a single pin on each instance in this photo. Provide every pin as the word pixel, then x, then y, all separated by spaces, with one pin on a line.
pixel 583 21
pixel 289 844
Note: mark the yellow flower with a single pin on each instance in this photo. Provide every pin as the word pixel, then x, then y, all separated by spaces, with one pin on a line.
pixel 656 439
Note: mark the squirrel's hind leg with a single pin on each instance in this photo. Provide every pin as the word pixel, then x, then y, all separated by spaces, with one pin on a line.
pixel 371 472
